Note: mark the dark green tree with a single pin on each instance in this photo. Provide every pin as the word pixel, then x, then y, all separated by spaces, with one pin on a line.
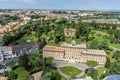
pixel 24 61
pixel 12 75
pixel 115 68
pixel 108 62
pixel 10 64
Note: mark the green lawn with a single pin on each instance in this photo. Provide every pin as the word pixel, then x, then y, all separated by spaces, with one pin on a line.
pixel 101 71
pixel 63 78
pixel 70 70
pixel 83 76
pixel 115 45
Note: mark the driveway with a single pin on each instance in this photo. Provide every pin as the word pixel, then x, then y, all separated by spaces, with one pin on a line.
pixel 59 64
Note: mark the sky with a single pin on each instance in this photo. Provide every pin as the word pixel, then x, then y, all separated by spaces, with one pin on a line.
pixel 61 4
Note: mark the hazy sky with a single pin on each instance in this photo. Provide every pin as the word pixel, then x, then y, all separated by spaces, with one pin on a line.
pixel 61 4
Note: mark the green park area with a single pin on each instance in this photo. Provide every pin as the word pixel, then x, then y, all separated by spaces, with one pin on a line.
pixel 101 71
pixel 70 70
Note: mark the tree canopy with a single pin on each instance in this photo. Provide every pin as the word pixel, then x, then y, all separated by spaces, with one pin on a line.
pixel 92 63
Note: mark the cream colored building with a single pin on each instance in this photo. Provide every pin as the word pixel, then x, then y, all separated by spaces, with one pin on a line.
pixel 74 53
pixel 69 32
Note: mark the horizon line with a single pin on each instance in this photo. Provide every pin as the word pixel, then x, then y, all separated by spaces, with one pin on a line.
pixel 59 9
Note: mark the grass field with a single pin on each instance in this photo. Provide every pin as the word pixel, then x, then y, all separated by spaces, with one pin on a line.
pixel 101 71
pixel 70 70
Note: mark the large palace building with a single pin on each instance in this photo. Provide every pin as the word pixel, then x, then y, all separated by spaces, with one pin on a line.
pixel 74 53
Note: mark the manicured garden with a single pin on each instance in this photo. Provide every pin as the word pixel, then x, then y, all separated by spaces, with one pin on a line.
pixel 70 70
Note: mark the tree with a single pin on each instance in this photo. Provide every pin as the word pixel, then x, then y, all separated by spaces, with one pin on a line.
pixel 55 75
pixel 103 45
pixel 115 68
pixel 23 75
pixel 92 63
pixel 24 61
pixel 10 64
pixel 46 76
pixel 49 60
pixel 116 55
pixel 19 69
pixel 94 44
pixel 12 75
pixel 42 43
pixel 108 62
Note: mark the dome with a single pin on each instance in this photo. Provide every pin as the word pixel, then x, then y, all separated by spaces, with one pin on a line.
pixel 73 42
pixel 112 77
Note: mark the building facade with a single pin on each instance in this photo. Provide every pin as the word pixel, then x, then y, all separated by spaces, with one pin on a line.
pixel 70 32
pixel 74 53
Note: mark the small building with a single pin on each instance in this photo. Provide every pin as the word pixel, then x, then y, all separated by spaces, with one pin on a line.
pixel 69 32
pixel 7 52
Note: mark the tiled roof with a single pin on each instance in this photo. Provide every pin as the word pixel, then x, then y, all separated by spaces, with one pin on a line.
pixel 53 48
pixel 5 48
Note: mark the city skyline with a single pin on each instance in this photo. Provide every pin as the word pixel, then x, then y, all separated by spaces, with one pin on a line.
pixel 62 4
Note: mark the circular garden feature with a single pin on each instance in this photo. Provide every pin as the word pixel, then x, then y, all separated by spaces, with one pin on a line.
pixel 70 70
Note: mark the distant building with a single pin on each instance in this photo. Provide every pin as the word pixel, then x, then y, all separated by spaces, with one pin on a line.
pixel 74 53
pixel 109 21
pixel 1 55
pixel 24 49
pixel 70 32
pixel 7 52
pixel 36 76
pixel 3 78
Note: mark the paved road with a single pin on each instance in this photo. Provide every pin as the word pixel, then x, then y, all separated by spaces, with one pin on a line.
pixel 59 64
pixel 62 74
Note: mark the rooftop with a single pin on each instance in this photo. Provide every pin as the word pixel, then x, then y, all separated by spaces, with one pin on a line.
pixel 76 45
pixel 70 29
pixel 53 48
pixel 94 52
pixel 5 48
pixel 3 78
pixel 24 46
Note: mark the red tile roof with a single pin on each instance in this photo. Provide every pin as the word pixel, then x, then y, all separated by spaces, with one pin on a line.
pixel 3 78
pixel 53 48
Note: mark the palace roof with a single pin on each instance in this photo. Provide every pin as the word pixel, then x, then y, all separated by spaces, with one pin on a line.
pixel 76 45
pixel 54 48
pixel 94 52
